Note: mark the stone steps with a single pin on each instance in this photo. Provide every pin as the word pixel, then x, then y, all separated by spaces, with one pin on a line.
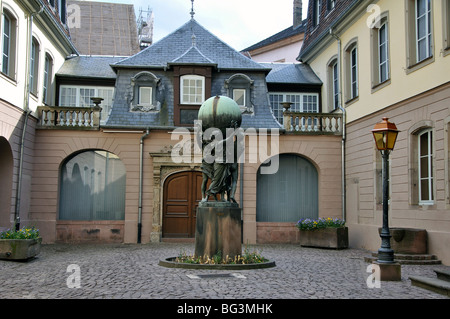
pixel 409 259
pixel 440 284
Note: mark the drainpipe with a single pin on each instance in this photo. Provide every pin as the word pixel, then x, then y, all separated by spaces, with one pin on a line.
pixel 27 114
pixel 141 169
pixel 241 198
pixel 344 120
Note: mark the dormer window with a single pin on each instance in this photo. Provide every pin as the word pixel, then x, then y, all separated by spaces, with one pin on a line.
pixel 192 86
pixel 316 12
pixel 143 88
pixel 239 97
pixel 192 89
pixel 145 95
pixel 239 87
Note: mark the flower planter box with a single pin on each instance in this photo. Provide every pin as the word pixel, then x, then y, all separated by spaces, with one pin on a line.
pixel 19 249
pixel 335 238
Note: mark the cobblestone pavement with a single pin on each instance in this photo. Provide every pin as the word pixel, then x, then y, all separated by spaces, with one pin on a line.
pixel 131 271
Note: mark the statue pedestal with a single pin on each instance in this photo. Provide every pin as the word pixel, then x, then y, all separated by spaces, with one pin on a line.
pixel 218 229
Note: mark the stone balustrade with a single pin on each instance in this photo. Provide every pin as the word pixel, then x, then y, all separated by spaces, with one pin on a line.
pixel 313 123
pixel 64 117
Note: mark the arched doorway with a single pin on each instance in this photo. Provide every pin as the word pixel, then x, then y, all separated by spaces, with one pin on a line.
pixel 6 180
pixel 289 194
pixel 182 193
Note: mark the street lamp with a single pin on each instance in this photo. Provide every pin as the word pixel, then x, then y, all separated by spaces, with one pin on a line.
pixel 385 135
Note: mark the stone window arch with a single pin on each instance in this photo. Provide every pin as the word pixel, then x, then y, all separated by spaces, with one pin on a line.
pixel 144 87
pixel 239 87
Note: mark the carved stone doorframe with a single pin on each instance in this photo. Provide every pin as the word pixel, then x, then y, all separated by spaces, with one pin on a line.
pixel 163 167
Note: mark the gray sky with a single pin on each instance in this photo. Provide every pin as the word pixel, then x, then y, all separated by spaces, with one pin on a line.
pixel 239 23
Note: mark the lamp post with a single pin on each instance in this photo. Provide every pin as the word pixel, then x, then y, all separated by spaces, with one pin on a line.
pixel 385 135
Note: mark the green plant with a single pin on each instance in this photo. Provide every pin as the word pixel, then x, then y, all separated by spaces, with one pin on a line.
pixel 248 257
pixel 23 233
pixel 314 224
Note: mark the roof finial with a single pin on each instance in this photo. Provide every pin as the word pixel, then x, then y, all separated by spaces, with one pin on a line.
pixel 192 10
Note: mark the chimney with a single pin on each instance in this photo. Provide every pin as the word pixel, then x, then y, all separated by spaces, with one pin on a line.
pixel 297 13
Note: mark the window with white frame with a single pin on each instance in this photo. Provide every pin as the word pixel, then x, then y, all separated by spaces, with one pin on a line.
pixel 383 56
pixel 80 96
pixel 380 51
pixel 333 87
pixel 419 33
pixel 6 43
pixel 302 102
pixel 239 96
pixel 192 89
pixel 425 165
pixel 8 58
pixel 145 95
pixel 423 29
pixel 353 73
pixel 48 73
pixel 34 66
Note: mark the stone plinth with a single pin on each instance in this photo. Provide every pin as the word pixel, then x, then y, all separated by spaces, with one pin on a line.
pixel 389 271
pixel 218 229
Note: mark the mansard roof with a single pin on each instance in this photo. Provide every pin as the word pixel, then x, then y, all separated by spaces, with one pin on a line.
pixel 284 34
pixel 328 20
pixel 89 67
pixel 190 44
pixel 291 73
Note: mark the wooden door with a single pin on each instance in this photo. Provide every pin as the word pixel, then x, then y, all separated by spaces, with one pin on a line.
pixel 182 193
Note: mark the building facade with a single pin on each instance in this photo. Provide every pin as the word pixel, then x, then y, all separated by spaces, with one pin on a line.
pixel 388 59
pixel 34 44
pixel 129 174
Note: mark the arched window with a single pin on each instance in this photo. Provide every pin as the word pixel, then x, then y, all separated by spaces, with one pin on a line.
pixel 92 187
pixel 351 70
pixel 333 84
pixel 9 41
pixel 290 194
pixel 48 76
pixel 425 167
pixel 34 65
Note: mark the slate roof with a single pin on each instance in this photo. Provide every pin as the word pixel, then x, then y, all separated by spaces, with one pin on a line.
pixel 291 73
pixel 89 67
pixel 286 33
pixel 315 34
pixel 179 48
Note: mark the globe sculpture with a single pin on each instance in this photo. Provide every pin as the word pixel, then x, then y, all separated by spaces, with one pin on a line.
pixel 218 222
pixel 220 112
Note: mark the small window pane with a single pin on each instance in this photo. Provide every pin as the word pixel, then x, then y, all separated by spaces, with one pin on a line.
pixel 145 95
pixel 239 96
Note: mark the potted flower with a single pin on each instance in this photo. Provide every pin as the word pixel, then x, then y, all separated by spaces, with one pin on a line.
pixel 323 232
pixel 22 244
